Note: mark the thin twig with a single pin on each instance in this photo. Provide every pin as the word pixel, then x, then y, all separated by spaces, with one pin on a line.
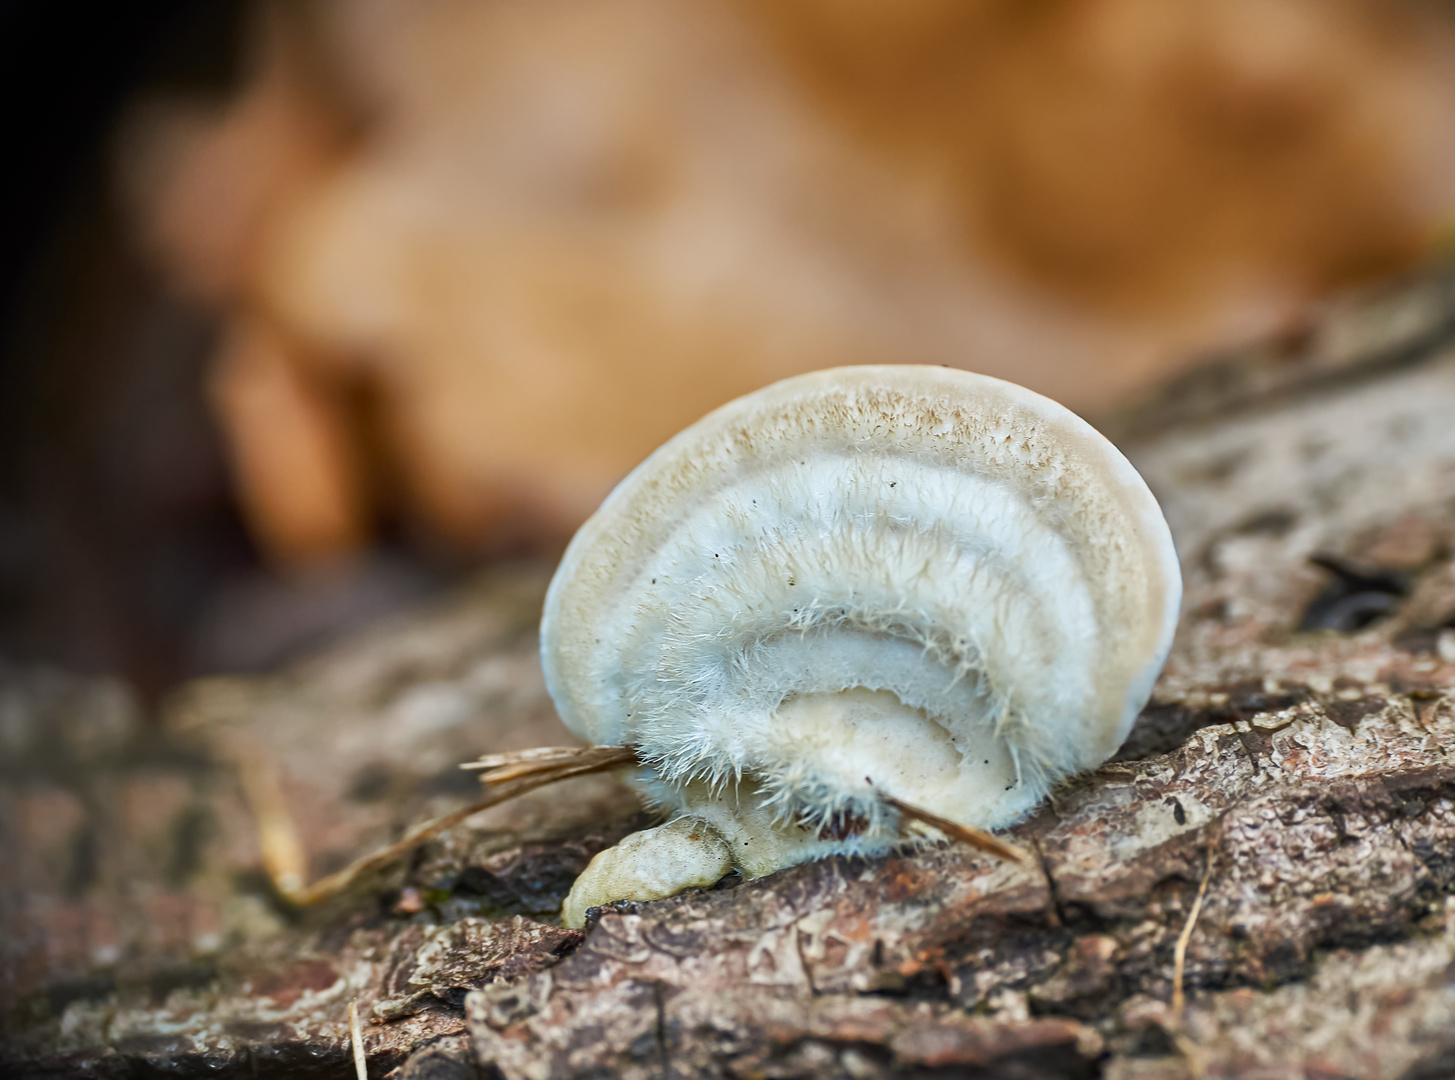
pixel 1179 954
pixel 965 834
pixel 356 1040
pixel 285 865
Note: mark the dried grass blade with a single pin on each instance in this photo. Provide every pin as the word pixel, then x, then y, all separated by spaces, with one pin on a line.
pixel 497 792
pixel 356 1039
pixel 502 767
pixel 535 753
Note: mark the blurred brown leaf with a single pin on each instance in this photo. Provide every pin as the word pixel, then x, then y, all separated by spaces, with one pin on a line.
pixel 565 231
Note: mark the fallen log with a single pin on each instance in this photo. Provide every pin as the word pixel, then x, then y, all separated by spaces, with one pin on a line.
pixel 1260 884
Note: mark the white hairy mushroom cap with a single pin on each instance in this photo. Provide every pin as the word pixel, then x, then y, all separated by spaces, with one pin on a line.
pixel 909 580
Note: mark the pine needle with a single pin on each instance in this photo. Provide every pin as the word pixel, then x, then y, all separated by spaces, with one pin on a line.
pixel 1179 953
pixel 964 834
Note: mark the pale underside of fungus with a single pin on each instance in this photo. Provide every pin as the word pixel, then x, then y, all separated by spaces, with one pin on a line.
pixel 846 596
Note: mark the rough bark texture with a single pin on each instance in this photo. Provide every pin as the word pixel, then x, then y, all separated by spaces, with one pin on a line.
pixel 1296 756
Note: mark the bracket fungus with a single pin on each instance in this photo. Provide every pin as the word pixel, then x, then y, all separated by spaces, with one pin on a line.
pixel 848 596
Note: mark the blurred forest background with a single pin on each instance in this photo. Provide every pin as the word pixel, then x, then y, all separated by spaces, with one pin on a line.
pixel 311 308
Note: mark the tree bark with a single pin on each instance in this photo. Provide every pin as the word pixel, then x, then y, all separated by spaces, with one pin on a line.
pixel 1292 772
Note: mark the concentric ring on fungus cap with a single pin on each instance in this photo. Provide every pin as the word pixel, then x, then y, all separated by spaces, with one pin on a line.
pixel 912 582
